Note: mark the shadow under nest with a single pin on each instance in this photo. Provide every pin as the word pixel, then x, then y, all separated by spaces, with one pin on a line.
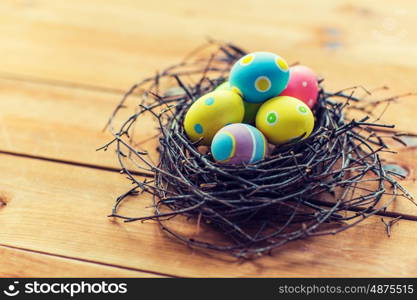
pixel 321 185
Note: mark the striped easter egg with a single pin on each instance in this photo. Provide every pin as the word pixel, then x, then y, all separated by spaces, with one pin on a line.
pixel 238 143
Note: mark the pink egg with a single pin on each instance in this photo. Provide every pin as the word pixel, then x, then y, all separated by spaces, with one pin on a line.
pixel 302 85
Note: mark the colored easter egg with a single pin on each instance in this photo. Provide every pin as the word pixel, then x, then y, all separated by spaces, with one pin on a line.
pixel 210 113
pixel 225 86
pixel 259 76
pixel 239 143
pixel 284 119
pixel 250 108
pixel 302 85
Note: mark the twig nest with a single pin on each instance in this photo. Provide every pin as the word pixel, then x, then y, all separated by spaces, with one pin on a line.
pixel 328 179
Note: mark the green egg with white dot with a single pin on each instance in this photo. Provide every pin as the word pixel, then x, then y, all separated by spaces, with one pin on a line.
pixel 210 113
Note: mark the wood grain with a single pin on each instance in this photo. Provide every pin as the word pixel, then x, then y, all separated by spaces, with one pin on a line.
pixel 55 41
pixel 63 209
pixel 60 123
pixel 65 65
pixel 20 263
pixel 58 39
pixel 65 124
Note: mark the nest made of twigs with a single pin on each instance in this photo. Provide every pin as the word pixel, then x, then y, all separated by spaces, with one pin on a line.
pixel 323 184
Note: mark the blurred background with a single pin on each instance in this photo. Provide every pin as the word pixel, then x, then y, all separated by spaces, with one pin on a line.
pixel 108 45
pixel 111 44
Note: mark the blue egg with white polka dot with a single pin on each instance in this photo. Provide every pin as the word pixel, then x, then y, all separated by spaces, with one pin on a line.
pixel 259 76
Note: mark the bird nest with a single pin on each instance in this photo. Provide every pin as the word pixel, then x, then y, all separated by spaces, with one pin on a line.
pixel 321 185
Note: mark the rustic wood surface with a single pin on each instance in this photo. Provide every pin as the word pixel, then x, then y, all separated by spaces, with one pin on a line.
pixel 24 263
pixel 65 65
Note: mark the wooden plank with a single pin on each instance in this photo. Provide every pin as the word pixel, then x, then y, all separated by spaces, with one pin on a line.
pixel 50 39
pixel 47 39
pixel 66 124
pixel 60 123
pixel 61 209
pixel 20 263
pixel 59 40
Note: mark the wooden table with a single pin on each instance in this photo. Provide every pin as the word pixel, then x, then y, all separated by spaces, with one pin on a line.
pixel 64 66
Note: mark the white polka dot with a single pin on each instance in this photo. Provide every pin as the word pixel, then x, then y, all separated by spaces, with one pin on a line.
pixel 310 102
pixel 304 83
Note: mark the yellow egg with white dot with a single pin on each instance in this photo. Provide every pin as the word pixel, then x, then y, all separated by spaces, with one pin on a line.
pixel 210 113
pixel 284 119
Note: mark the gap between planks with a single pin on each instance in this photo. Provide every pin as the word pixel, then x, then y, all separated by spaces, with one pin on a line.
pixel 61 83
pixel 66 206
pixel 73 163
pixel 157 274
pixel 391 214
